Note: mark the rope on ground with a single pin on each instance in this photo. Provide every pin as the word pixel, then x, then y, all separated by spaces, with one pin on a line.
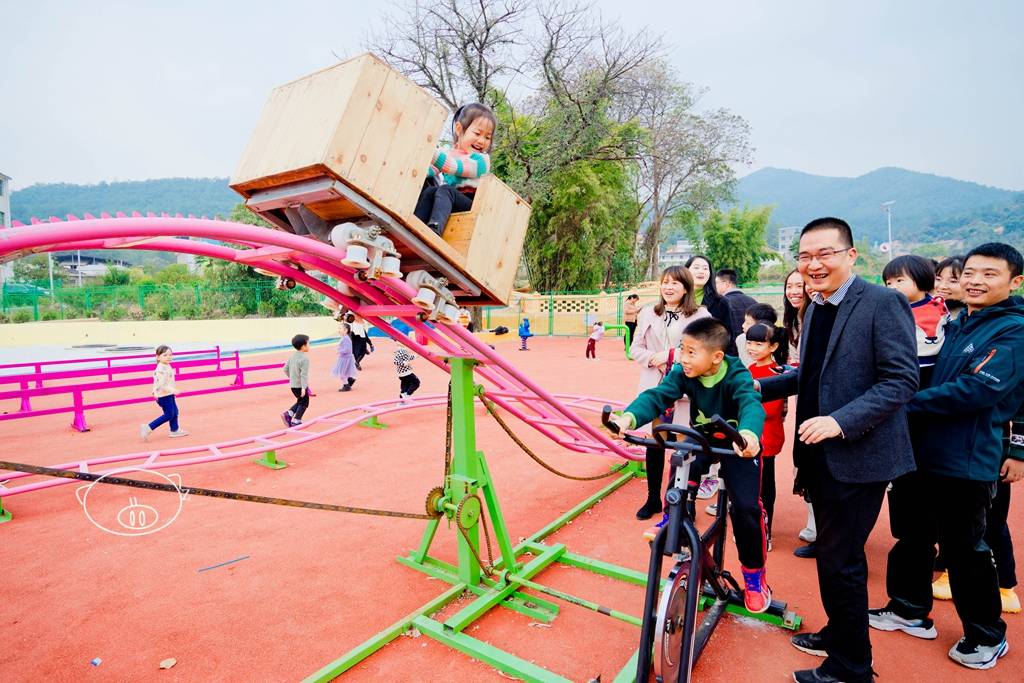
pixel 210 493
pixel 526 449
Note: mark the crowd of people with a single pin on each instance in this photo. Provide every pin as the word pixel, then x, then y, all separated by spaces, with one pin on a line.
pixel 912 390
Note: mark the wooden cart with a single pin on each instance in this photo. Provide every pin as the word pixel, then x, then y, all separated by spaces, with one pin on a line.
pixel 353 142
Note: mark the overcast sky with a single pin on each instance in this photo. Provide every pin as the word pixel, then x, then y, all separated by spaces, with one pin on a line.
pixel 115 90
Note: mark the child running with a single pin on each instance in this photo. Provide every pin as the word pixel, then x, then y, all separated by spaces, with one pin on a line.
pixel 596 333
pixel 407 380
pixel 297 369
pixel 768 351
pixel 455 172
pixel 164 392
pixel 345 367
pixel 719 384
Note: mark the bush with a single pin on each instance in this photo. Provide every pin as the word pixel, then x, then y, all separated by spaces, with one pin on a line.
pixel 112 313
pixel 265 309
pixel 295 309
pixel 238 311
pixel 50 314
pixel 21 316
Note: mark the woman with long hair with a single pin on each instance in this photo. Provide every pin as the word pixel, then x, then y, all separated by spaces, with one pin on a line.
pixel 707 295
pixel 659 333
pixel 794 303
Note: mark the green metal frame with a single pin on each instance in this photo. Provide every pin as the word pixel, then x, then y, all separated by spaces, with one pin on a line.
pixel 514 570
pixel 625 333
pixel 373 423
pixel 5 515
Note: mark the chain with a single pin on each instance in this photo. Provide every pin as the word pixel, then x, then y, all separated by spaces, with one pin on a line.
pixel 486 568
pixel 210 493
pixel 526 449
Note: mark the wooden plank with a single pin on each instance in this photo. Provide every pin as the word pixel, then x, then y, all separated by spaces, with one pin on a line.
pixel 410 151
pixel 298 121
pixel 383 128
pixel 342 151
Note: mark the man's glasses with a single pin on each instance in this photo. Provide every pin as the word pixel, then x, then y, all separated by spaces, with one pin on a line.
pixel 821 256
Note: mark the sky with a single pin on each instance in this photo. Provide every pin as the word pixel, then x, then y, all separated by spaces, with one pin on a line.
pixel 115 90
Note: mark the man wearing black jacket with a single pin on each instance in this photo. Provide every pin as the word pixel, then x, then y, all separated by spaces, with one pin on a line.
pixel 858 370
pixel 977 387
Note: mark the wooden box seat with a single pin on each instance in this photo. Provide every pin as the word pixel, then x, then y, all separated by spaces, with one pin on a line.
pixel 354 141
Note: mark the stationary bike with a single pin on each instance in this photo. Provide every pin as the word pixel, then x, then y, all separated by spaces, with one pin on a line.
pixel 669 630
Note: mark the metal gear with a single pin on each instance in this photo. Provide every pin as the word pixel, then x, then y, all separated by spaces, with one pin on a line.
pixel 468 511
pixel 434 498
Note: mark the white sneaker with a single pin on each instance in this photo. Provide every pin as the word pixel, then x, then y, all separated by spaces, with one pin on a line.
pixel 145 431
pixel 712 509
pixel 708 488
pixel 885 620
pixel 808 535
pixel 180 432
pixel 977 656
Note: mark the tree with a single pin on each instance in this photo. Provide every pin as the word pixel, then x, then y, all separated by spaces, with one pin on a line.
pixel 686 159
pixel 735 239
pixel 36 268
pixel 117 276
pixel 580 236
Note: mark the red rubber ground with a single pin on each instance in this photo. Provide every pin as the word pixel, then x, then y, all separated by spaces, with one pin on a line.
pixel 316 584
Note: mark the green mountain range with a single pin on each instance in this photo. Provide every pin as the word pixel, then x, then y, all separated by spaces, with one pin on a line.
pixel 197 196
pixel 928 208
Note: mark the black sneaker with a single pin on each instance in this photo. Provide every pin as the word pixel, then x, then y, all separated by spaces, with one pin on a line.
pixel 809 550
pixel 820 676
pixel 650 508
pixel 811 643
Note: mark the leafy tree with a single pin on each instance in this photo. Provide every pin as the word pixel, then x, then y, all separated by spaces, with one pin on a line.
pixel 36 268
pixel 174 274
pixel 687 156
pixel 117 276
pixel 581 234
pixel 735 239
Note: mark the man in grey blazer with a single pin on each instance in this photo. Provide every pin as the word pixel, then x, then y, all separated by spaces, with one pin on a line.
pixel 858 369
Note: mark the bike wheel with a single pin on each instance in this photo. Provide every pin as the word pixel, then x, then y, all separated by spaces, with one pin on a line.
pixel 670 628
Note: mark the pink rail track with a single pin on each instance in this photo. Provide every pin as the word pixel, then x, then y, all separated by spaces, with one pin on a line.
pixel 293 256
pixel 310 430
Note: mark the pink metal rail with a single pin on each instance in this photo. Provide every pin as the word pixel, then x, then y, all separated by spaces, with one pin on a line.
pixel 310 430
pixel 78 390
pixel 293 256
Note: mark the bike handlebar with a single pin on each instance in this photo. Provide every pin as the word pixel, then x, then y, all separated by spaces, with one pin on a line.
pixel 695 440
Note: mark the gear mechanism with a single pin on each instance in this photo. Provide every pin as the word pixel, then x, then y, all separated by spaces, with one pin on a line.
pixel 434 498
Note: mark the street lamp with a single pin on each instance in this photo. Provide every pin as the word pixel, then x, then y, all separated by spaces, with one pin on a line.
pixel 887 207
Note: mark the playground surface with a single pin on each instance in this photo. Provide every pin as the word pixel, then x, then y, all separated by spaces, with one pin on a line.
pixel 241 591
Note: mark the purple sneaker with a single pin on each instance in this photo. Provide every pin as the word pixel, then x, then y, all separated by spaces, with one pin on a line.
pixel 287 418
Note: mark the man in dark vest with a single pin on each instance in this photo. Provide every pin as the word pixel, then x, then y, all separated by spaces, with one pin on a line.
pixel 858 369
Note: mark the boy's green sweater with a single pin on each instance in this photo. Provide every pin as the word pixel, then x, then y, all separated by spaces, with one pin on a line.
pixel 729 393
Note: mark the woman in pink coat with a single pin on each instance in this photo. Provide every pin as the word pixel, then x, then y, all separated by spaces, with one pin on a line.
pixel 659 333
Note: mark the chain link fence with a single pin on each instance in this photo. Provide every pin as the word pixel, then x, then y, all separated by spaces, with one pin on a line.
pixel 573 314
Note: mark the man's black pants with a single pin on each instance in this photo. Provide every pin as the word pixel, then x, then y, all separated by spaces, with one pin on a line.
pixel 925 509
pixel 845 515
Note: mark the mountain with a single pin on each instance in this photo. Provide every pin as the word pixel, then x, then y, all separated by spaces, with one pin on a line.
pixel 198 196
pixel 928 207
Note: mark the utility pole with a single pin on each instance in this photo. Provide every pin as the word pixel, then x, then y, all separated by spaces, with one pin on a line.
pixel 887 207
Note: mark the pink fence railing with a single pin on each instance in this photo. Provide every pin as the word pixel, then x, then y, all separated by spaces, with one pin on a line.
pixel 77 391
pixel 108 362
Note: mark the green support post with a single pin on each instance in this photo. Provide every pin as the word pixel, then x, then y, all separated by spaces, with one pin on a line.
pixel 626 334
pixel 373 423
pixel 5 515
pixel 465 473
pixel 270 461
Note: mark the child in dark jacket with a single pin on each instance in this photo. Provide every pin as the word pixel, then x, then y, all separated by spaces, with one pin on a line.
pixel 719 384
